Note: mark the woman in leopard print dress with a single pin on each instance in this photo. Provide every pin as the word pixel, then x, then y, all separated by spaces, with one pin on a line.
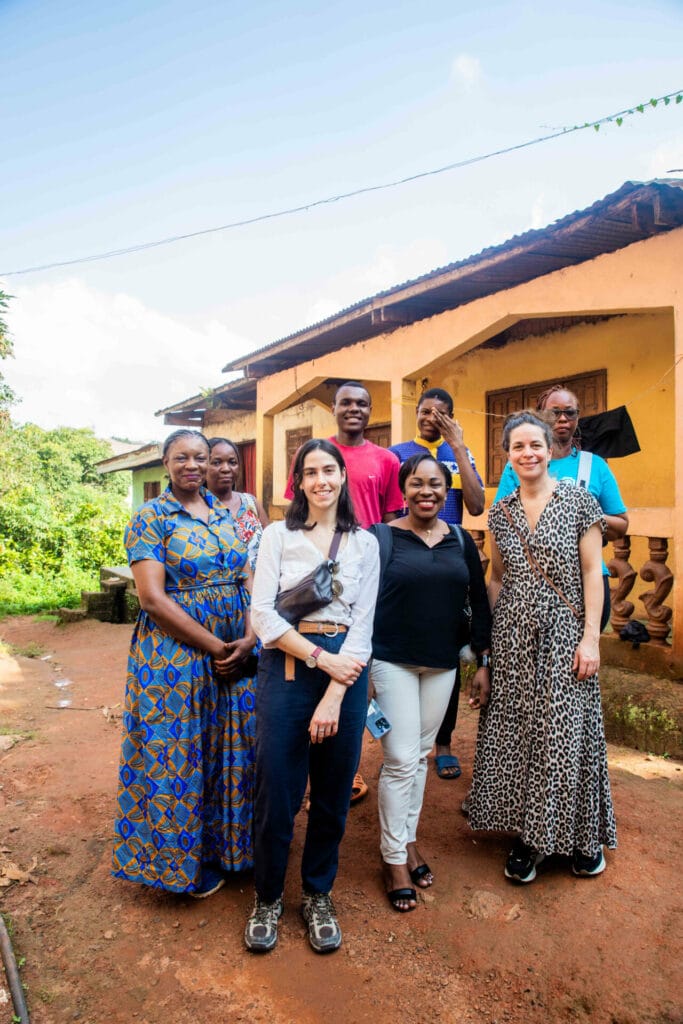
pixel 541 765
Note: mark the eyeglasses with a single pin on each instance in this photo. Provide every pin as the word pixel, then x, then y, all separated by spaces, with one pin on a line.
pixel 571 414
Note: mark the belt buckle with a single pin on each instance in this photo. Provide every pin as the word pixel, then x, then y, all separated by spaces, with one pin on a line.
pixel 330 635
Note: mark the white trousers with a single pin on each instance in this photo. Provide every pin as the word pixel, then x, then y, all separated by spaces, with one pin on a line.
pixel 414 700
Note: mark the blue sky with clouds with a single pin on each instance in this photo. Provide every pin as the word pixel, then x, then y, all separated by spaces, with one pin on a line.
pixel 130 122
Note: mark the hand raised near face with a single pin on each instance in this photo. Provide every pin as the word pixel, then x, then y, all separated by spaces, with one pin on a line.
pixel 450 430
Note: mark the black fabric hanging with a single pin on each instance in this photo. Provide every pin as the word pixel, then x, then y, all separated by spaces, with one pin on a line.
pixel 610 434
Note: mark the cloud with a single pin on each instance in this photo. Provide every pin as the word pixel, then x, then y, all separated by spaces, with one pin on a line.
pixel 389 267
pixel 88 358
pixel 466 71
pixel 665 158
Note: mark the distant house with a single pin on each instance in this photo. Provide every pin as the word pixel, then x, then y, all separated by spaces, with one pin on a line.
pixel 148 474
pixel 594 300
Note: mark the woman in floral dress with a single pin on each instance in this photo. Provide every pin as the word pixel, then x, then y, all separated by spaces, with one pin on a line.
pixel 185 797
pixel 223 472
pixel 541 764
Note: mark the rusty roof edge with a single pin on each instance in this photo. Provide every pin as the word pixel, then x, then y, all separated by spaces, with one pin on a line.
pixel 489 256
pixel 199 401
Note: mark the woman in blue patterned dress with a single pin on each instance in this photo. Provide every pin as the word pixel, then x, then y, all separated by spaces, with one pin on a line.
pixel 185 795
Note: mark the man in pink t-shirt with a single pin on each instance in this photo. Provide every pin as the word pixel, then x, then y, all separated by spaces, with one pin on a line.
pixel 372 473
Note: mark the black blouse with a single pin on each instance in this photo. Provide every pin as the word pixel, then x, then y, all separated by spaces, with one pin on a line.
pixel 419 614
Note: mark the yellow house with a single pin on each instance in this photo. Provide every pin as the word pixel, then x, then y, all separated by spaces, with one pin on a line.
pixel 594 300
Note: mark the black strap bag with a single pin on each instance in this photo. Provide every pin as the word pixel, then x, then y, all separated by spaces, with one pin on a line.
pixel 316 590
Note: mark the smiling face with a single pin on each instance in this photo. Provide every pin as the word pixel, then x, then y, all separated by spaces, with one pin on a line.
pixel 529 453
pixel 425 490
pixel 351 409
pixel 223 469
pixel 321 480
pixel 186 461
pixel 426 427
pixel 564 406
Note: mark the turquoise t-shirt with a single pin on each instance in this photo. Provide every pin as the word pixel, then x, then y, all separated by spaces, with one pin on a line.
pixel 601 482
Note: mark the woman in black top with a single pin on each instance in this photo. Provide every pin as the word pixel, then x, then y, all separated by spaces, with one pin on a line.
pixel 431 570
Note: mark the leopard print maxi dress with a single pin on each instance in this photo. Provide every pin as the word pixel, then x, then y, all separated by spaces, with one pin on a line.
pixel 541 762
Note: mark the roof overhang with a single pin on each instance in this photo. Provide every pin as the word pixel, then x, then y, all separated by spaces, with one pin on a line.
pixel 239 395
pixel 148 455
pixel 635 212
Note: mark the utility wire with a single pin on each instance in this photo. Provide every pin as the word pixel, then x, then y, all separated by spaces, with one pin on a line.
pixel 616 118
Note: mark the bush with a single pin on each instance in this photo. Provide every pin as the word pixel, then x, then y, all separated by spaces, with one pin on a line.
pixel 60 521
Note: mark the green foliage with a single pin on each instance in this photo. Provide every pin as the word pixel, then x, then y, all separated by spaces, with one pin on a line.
pixel 60 520
pixel 7 396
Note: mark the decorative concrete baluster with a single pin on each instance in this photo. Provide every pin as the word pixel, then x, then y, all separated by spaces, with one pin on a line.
pixel 621 569
pixel 657 571
pixel 479 536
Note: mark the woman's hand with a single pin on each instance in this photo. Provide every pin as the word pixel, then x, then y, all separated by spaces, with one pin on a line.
pixel 342 668
pixel 325 720
pixel 586 658
pixel 480 691
pixel 236 651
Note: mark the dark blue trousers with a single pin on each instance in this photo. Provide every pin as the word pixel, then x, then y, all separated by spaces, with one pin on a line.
pixel 285 758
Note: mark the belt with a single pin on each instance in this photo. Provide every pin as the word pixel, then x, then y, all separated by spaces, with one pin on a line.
pixel 318 628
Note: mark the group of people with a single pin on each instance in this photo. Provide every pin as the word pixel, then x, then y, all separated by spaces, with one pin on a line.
pixel 232 710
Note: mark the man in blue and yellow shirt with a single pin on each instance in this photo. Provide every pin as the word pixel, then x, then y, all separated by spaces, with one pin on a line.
pixel 440 436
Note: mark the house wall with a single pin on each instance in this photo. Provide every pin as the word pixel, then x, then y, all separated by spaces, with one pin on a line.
pixel 236 425
pixel 141 476
pixel 304 414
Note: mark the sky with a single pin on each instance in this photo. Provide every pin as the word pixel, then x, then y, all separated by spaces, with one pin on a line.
pixel 132 122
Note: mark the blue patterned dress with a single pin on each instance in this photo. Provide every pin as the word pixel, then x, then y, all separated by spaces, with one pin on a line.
pixel 185 796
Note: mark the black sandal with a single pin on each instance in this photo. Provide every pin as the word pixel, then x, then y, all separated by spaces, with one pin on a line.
pixel 420 872
pixel 397 896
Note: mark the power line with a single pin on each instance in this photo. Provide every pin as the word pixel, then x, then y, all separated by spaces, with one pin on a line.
pixel 617 118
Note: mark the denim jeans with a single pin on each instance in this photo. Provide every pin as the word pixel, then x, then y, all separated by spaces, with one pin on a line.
pixel 285 758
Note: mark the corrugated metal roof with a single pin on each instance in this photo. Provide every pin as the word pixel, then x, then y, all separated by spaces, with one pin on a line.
pixel 236 394
pixel 636 211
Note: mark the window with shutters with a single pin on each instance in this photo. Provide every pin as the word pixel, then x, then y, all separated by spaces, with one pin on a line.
pixel 379 433
pixel 293 441
pixel 150 489
pixel 589 388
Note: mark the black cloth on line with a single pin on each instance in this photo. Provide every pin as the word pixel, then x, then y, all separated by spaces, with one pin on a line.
pixel 609 434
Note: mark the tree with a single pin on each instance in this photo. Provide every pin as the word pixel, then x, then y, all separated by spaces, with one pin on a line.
pixel 7 396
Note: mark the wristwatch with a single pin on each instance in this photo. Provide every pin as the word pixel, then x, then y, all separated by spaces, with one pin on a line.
pixel 483 661
pixel 312 660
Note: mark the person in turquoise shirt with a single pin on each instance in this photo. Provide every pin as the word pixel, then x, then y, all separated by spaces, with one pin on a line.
pixel 584 469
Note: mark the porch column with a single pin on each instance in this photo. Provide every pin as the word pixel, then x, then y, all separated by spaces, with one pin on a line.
pixel 403 402
pixel 677 595
pixel 264 452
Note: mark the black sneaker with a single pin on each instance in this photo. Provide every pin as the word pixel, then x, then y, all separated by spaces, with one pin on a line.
pixel 587 867
pixel 324 933
pixel 260 934
pixel 521 863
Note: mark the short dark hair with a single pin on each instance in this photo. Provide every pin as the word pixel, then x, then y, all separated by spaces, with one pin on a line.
pixel 530 418
pixel 177 434
pixel 411 464
pixel 352 384
pixel 440 395
pixel 297 513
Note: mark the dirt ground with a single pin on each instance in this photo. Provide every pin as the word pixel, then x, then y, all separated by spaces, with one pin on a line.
pixel 477 949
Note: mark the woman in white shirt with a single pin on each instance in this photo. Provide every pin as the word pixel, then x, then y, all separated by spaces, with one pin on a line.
pixel 312 694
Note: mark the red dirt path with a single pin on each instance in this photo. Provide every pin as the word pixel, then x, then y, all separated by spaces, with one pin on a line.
pixel 477 949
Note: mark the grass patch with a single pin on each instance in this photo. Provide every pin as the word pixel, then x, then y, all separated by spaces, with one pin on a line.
pixel 29 650
pixel 25 734
pixel 47 617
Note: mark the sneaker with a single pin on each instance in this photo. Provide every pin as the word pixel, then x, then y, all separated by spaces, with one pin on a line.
pixel 260 933
pixel 521 863
pixel 324 933
pixel 586 867
pixel 212 880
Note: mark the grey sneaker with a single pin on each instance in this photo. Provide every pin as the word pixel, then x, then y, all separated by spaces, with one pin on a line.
pixel 260 934
pixel 324 933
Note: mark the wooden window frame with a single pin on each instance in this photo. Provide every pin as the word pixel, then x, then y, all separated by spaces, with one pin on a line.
pixel 504 401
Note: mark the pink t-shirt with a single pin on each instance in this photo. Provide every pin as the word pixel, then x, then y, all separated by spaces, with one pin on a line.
pixel 373 481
